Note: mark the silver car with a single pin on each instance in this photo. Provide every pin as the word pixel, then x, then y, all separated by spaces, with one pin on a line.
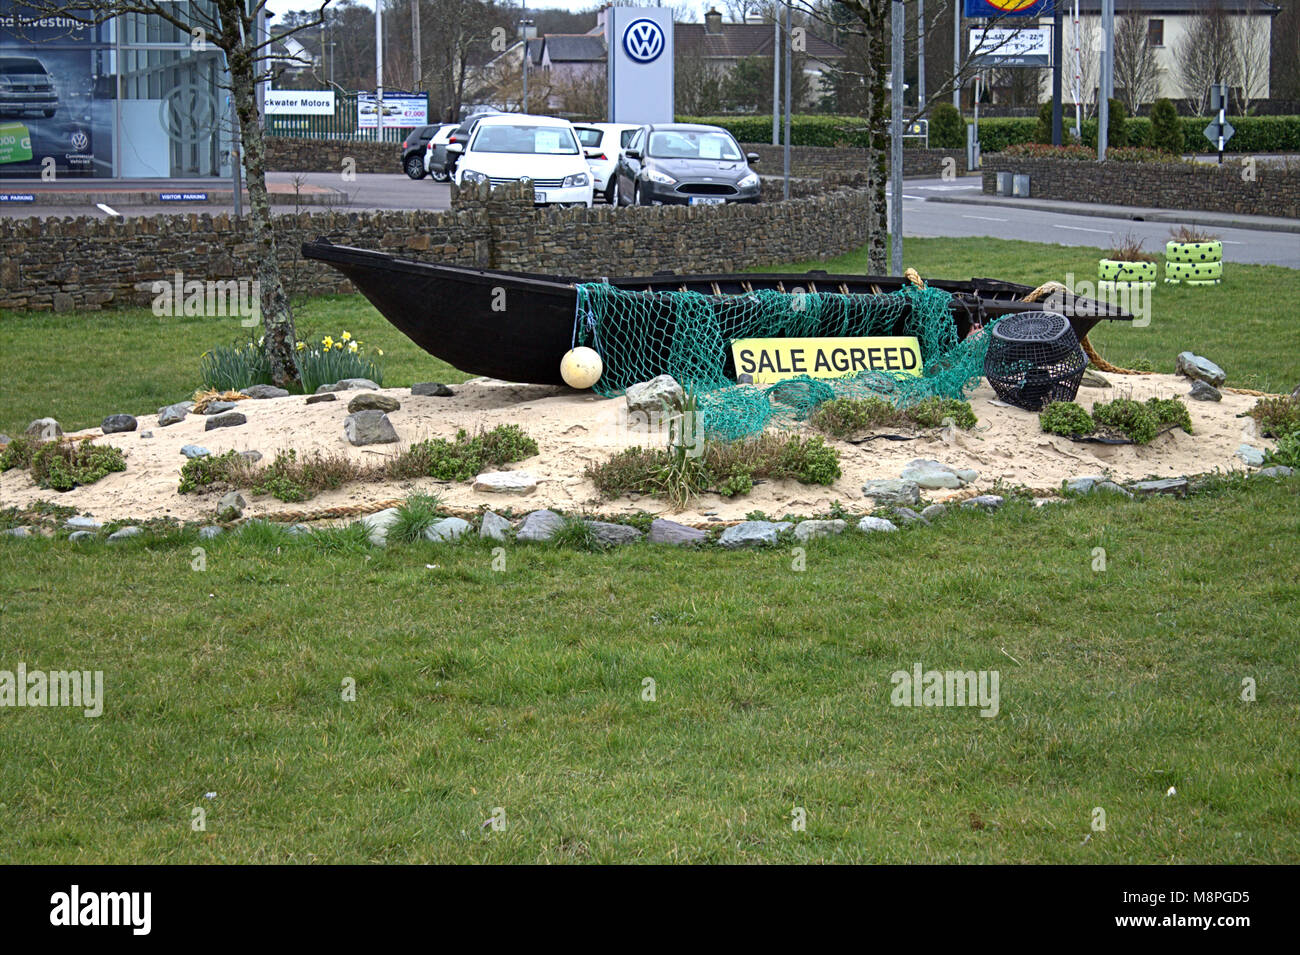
pixel 26 86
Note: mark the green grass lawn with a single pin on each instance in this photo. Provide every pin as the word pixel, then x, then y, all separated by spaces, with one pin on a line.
pixel 521 689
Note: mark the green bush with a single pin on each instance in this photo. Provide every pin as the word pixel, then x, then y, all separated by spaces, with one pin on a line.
pixel 947 128
pixel 934 411
pixel 232 367
pixel 1066 418
pixel 1117 132
pixel 1132 418
pixel 1277 417
pixel 18 452
pixel 805 129
pixel 1043 127
pixel 464 457
pixel 1171 411
pixel 1166 130
pixel 208 470
pixel 62 465
pixel 1287 451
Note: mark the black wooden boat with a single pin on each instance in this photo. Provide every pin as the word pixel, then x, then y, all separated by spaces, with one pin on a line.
pixel 517 326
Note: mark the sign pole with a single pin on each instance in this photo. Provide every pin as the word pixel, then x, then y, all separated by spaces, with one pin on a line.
pixel 1056 72
pixel 920 56
pixel 785 191
pixel 776 80
pixel 379 70
pixel 1105 80
pixel 896 141
pixel 956 54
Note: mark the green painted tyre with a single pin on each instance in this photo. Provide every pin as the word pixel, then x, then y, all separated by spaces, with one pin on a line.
pixel 1194 251
pixel 1194 271
pixel 1192 281
pixel 1116 270
pixel 1107 288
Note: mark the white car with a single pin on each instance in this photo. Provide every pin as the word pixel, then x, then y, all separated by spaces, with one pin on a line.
pixel 438 139
pixel 609 139
pixel 514 146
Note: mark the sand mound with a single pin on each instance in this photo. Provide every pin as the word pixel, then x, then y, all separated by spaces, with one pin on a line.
pixel 574 429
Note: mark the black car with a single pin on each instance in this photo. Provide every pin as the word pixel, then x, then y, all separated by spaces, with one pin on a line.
pixel 444 163
pixel 413 150
pixel 685 164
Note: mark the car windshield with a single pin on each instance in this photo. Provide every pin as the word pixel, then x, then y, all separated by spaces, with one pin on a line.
pixel 529 140
pixel 675 144
pixel 18 67
pixel 589 137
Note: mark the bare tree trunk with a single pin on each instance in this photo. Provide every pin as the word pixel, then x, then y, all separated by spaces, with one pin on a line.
pixel 873 14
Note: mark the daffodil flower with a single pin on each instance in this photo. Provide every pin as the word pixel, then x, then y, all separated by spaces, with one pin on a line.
pixel 352 347
pixel 328 342
pixel 347 336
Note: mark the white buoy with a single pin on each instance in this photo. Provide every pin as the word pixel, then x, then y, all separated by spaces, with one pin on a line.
pixel 581 367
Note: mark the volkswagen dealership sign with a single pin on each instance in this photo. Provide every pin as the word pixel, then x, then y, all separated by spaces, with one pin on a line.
pixel 640 45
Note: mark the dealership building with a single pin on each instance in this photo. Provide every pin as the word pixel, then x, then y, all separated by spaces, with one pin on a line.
pixel 135 97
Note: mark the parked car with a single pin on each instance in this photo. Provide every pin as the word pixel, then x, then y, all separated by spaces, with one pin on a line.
pixel 413 149
pixel 442 162
pixel 610 139
pixel 511 147
pixel 26 86
pixel 440 138
pixel 685 164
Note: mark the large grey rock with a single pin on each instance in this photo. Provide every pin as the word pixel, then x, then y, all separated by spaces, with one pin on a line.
pixel 80 523
pixel 252 457
pixel 373 401
pixel 321 396
pixel 81 536
pixel 1093 380
pixel 909 516
pixel 608 533
pixel 1252 456
pixel 670 532
pixel 1110 487
pixel 20 532
pixel 505 482
pixel 1276 471
pixel 117 423
pixel 871 525
pixel 905 493
pixel 933 475
pixel 539 526
pixel 348 384
pixel 208 532
pixel 431 389
pixel 298 530
pixel 805 531
pixel 194 451
pixel 227 419
pixel 231 505
pixel 1194 366
pixel 1084 485
pixel 651 396
pixel 447 529
pixel 369 427
pixel 494 527
pixel 1204 391
pixel 172 414
pixel 263 392
pixel 1175 486
pixel 985 502
pixel 934 511
pixel 125 532
pixel 750 534
pixel 47 429
pixel 377 525
pixel 217 407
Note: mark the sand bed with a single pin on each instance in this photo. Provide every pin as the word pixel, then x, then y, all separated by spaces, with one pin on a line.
pixel 574 429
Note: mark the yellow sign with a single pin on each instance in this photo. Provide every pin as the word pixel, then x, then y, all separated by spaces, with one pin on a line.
pixel 768 360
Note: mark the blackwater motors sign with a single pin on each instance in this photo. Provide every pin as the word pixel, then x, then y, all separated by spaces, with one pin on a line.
pixel 299 102
pixel 640 45
pixel 768 360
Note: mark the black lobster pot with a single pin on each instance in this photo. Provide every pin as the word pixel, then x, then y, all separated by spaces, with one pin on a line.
pixel 1034 359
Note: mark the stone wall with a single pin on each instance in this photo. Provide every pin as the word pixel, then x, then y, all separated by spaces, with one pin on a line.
pixel 86 263
pixel 287 154
pixel 1274 191
pixel 818 162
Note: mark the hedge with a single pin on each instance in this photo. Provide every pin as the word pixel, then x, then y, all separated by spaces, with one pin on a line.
pixel 805 130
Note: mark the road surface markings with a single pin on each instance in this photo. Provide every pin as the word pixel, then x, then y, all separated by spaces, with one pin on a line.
pixel 986 218
pixel 108 210
pixel 1079 228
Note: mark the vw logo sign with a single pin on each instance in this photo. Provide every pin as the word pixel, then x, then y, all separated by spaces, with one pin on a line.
pixel 79 141
pixel 643 40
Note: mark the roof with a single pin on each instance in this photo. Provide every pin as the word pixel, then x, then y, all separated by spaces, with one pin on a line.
pixel 738 40
pixel 1186 7
pixel 527 119
pixel 575 48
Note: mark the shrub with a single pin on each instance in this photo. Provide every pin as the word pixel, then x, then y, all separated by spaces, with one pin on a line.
pixel 1287 451
pixel 1166 131
pixel 1170 411
pixel 326 361
pixel 1277 417
pixel 463 457
pixel 1043 127
pixel 841 417
pixel 64 464
pixel 18 452
pixel 1117 125
pixel 934 411
pixel 1043 151
pixel 231 367
pixel 1130 250
pixel 947 128
pixel 1066 418
pixel 1191 233
pixel 1132 418
pixel 210 469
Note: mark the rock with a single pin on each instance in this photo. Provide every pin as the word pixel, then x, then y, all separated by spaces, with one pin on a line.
pixel 1276 471
pixel 232 502
pixel 539 526
pixel 47 429
pixel 369 427
pixel 349 384
pixel 262 392
pixel 670 532
pixel 651 396
pixel 125 532
pixel 1194 366
pixel 805 531
pixel 1084 485
pixel 80 523
pixel 447 530
pixel 613 534
pixel 494 527
pixel 172 414
pixel 1204 391
pixel 81 535
pixel 870 525
pixel 146 434
pixel 230 419
pixel 909 516
pixel 252 457
pixel 194 451
pixel 1252 456
pixel 1110 487
pixel 116 423
pixel 319 397
pixel 505 482
pixel 749 534
pixel 1175 486
pixel 4 439
pixel 905 493
pixel 20 532
pixel 431 389
pixel 377 525
pixel 1093 380
pixel 216 407
pixel 986 502
pixel 373 402
pixel 933 475
pixel 297 530
pixel 208 532
pixel 933 511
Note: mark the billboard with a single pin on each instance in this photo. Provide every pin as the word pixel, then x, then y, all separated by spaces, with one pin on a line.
pixel 300 103
pixel 995 9
pixel 401 110
pixel 639 42
pixel 1003 47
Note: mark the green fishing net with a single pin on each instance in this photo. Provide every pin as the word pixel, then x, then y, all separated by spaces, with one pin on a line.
pixel 688 335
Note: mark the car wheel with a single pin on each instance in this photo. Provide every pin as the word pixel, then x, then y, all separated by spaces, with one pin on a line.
pixel 636 196
pixel 415 168
pixel 438 176
pixel 610 192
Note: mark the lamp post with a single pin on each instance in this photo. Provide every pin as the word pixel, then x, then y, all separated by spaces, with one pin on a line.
pixel 524 24
pixel 379 70
pixel 896 140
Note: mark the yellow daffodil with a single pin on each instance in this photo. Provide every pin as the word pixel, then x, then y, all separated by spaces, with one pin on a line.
pixel 328 342
pixel 338 346
pixel 301 345
pixel 381 352
pixel 347 336
pixel 352 347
